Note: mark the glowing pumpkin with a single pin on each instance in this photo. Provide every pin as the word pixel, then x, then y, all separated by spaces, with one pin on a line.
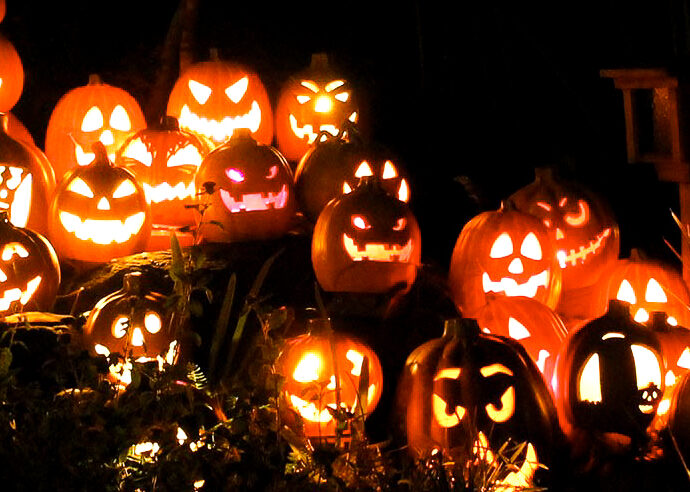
pixel 17 130
pixel 96 112
pixel 323 368
pixel 214 98
pixel 313 101
pixel 99 212
pixel 11 75
pixel 679 417
pixel 2 9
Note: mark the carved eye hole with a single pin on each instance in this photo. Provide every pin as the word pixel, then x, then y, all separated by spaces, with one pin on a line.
pixel 272 173
pixel 119 119
pixel 389 171
pixel 120 326
pixel 308 368
pixel 647 367
pixel 530 247
pixel 333 85
pixel 237 90
pixel 303 99
pixel 589 384
pixel 187 155
pixel 360 222
pixel 507 408
pixel 136 150
pixel 364 169
pixel 626 293
pixel 126 188
pixel 580 218
pixel 502 247
pixel 12 249
pixel 200 92
pixel 152 322
pixel 654 292
pixel 440 406
pixel 93 120
pixel 400 224
pixel 235 175
pixel 79 186
pixel 312 86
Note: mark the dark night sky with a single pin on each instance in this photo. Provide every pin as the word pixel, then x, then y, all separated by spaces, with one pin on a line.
pixel 487 90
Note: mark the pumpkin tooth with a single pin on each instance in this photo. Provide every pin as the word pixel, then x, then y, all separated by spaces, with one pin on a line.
pixel 382 252
pixel 17 294
pixel 252 202
pixel 222 130
pixel 511 288
pixel 102 231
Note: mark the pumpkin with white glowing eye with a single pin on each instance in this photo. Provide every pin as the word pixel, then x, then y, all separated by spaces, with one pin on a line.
pixel 214 98
pixel 99 212
pixel 253 195
pixel 26 181
pixel 29 269
pixel 609 378
pixel 536 327
pixel 132 322
pixel 366 241
pixel 313 101
pixel 322 368
pixel 335 164
pixel 11 75
pixel 650 285
pixel 165 160
pixel 96 112
pixel 507 252
pixel 476 389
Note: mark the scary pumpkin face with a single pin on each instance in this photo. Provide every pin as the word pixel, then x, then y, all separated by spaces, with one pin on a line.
pixel 96 112
pixel 476 389
pixel 334 166
pixel 322 368
pixel 316 100
pixel 99 212
pixel 366 241
pixel 11 75
pixel 29 269
pixel 581 225
pixel 506 252
pixel 253 197
pixel 214 98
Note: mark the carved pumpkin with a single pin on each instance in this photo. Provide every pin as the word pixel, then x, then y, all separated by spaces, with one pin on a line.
pixel 215 97
pixel 253 197
pixel 536 327
pixel 366 241
pixel 99 212
pixel 650 285
pixel 609 377
pixel 96 112
pixel 29 269
pixel 335 164
pixel 131 321
pixel 507 252
pixel 11 75
pixel 322 368
pixel 679 417
pixel 26 181
pixel 470 388
pixel 315 100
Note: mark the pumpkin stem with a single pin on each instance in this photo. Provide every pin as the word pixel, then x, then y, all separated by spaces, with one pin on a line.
pixel 618 309
pixel 462 328
pixel 101 155
pixel 319 326
pixel 169 124
pixel 636 255
pixel 213 54
pixel 131 283
pixel 95 79
pixel 544 174
pixel 319 62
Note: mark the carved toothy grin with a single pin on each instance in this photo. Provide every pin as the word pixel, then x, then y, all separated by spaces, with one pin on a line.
pixel 252 202
pixel 307 131
pixel 102 231
pixel 518 479
pixel 511 288
pixel 16 195
pixel 222 130
pixel 384 252
pixel 583 251
pixel 164 192
pixel 17 294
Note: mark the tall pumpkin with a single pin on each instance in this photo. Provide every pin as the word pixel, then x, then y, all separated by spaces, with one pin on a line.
pixel 11 75
pixel 96 112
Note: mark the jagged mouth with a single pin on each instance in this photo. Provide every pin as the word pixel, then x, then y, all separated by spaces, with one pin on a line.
pixel 16 195
pixel 163 192
pixel 511 288
pixel 253 202
pixel 103 231
pixel 221 130
pixel 307 131
pixel 580 254
pixel 383 252
pixel 16 294
pixel 517 479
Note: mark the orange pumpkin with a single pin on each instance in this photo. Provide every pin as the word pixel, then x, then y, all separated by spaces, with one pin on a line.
pixel 2 9
pixel 96 112
pixel 17 130
pixel 315 100
pixel 214 98
pixel 11 75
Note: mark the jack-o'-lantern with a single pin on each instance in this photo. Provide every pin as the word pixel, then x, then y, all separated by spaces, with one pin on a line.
pixel 507 252
pixel 99 212
pixel 132 322
pixel 531 323
pixel 26 181
pixel 679 418
pixel 469 387
pixel 165 160
pixel 609 378
pixel 335 164
pixel 582 226
pixel 29 269
pixel 253 197
pixel 313 101
pixel 366 241
pixel 96 112
pixel 216 97
pixel 323 370
pixel 11 75
pixel 650 285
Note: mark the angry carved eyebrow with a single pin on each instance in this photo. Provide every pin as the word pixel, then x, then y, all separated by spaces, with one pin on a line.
pixel 495 369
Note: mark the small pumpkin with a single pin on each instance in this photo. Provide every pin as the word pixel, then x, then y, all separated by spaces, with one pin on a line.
pixel 29 269
pixel 11 75
pixel 366 241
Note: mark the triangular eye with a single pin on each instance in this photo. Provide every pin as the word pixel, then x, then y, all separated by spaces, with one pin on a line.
pixel 79 186
pixel 589 385
pixel 334 84
pixel 684 359
pixel 646 366
pixel 119 119
pixel 200 92
pixel 308 369
pixel 502 247
pixel 626 293
pixel 12 249
pixel 389 171
pixel 188 155
pixel 126 188
pixel 152 322
pixel 360 222
pixel 364 170
pixel 530 247
pixel 654 292
pixel 236 91
pixel 517 330
pixel 136 150
pixel 303 99
pixel 93 120
pixel 346 188
pixel 310 85
pixel 342 96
